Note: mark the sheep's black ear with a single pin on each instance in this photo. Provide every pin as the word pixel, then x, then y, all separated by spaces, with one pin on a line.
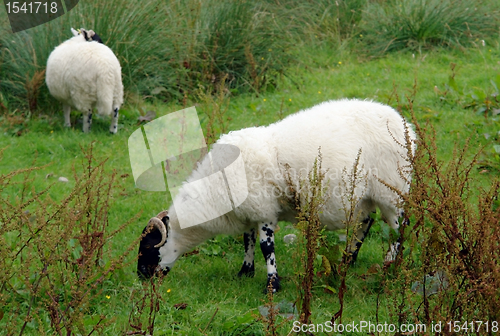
pixel 97 38
pixel 85 35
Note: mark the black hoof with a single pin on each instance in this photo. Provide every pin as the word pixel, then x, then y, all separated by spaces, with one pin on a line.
pixel 353 257
pixel 273 282
pixel 247 270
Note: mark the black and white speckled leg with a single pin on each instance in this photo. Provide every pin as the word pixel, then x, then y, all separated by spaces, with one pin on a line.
pixel 87 121
pixel 360 237
pixel 248 268
pixel 113 128
pixel 266 235
pixel 395 248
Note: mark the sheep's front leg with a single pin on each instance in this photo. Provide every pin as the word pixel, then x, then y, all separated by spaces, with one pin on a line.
pixel 67 113
pixel 248 268
pixel 87 121
pixel 266 235
pixel 113 128
pixel 359 238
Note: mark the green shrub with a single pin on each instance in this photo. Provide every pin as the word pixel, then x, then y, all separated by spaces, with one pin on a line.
pixel 421 24
pixel 324 20
pixel 57 254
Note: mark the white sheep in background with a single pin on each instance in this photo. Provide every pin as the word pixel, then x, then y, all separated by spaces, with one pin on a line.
pixel 83 73
pixel 341 128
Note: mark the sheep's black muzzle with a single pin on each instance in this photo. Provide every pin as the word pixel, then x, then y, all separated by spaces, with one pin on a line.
pixel 149 255
pixel 145 272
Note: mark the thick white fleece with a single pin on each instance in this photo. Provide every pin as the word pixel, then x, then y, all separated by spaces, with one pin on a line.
pixel 84 75
pixel 341 128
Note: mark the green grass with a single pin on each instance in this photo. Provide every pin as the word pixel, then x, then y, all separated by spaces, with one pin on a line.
pixel 206 281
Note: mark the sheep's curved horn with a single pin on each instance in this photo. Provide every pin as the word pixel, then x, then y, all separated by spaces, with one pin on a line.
pixel 158 224
pixel 162 214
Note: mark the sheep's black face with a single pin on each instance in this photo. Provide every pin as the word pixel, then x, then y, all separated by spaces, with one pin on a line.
pixel 149 255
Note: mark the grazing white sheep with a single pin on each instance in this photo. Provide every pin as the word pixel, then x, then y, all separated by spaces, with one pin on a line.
pixel 83 73
pixel 341 128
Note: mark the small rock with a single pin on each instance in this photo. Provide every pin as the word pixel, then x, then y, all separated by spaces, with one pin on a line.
pixel 150 115
pixel 284 309
pixel 289 238
pixel 433 284
pixel 63 179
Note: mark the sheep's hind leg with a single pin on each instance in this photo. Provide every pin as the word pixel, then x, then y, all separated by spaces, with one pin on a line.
pixel 113 128
pixel 266 235
pixel 395 247
pixel 67 113
pixel 87 121
pixel 359 238
pixel 248 268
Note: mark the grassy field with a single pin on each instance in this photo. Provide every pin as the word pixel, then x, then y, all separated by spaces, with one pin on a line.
pixel 218 303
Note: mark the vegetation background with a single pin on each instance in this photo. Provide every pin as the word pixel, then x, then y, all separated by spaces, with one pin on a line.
pixel 68 249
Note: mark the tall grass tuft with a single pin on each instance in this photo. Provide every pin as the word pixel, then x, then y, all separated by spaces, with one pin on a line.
pixel 166 49
pixel 421 24
pixel 323 21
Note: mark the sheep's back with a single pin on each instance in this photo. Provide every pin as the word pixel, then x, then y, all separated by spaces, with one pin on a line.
pixel 340 129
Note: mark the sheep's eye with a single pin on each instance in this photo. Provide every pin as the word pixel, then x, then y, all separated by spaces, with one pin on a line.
pixel 147 246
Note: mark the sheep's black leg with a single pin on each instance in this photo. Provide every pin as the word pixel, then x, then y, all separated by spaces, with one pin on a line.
pixel 266 235
pixel 359 238
pixel 395 248
pixel 113 128
pixel 248 268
